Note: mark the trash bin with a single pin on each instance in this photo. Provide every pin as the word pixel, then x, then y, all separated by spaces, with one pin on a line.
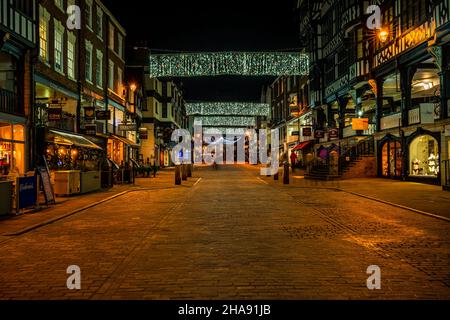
pixel 6 189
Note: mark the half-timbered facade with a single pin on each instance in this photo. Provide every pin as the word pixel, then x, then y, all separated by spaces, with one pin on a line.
pixel 17 38
pixel 394 78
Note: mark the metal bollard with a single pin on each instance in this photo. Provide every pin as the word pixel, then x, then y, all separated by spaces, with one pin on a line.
pixel 189 170
pixel 177 175
pixel 184 172
pixel 286 173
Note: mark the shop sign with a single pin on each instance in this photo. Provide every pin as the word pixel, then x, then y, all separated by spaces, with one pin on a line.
pixel 447 131
pixel 128 127
pixel 319 134
pixel 427 113
pixel 90 129
pixel 26 191
pixel 143 135
pixel 333 133
pixel 46 182
pixel 89 113
pixel 54 114
pixel 295 133
pixel 103 115
pixel 360 124
pixel 307 132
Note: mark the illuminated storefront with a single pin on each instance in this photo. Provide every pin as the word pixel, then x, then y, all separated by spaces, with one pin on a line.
pixel 12 148
pixel 424 157
pixel 391 157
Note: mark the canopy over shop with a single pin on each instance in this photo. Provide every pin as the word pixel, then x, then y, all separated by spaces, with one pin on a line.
pixel 75 162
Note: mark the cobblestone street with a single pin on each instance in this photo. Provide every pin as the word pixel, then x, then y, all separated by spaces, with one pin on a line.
pixel 230 234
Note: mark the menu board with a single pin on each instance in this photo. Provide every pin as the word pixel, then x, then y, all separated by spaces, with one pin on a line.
pixel 44 173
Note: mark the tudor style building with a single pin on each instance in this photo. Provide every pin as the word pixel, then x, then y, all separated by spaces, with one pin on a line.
pixel 17 39
pixel 395 80
pixel 163 108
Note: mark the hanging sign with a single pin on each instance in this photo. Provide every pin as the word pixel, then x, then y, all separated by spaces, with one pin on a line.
pixel 333 133
pixel 128 127
pixel 90 129
pixel 89 113
pixel 360 124
pixel 307 132
pixel 54 114
pixel 103 115
pixel 319 134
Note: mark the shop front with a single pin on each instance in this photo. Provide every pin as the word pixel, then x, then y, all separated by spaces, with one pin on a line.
pixel 391 157
pixel 12 158
pixel 74 162
pixel 423 155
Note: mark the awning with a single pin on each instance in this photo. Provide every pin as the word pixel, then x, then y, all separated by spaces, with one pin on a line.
pixel 125 140
pixel 71 139
pixel 302 145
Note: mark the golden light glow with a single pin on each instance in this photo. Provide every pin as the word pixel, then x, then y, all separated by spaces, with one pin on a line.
pixel 383 35
pixel 133 87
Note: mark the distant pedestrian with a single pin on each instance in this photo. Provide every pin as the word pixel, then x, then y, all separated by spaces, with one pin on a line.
pixel 147 167
pixel 293 160
pixel 155 168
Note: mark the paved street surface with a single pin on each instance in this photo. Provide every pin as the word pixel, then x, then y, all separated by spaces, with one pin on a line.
pixel 230 235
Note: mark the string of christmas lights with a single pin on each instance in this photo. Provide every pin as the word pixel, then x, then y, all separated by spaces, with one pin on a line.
pixel 219 121
pixel 228 63
pixel 224 130
pixel 228 108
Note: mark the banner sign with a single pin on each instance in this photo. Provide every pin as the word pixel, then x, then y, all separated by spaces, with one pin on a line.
pixel 427 113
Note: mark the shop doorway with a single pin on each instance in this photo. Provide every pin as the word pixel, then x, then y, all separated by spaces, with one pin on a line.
pixel 391 159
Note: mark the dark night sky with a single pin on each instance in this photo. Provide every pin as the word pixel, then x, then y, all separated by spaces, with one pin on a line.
pixel 215 25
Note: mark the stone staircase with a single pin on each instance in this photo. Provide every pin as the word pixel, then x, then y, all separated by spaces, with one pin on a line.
pixel 356 162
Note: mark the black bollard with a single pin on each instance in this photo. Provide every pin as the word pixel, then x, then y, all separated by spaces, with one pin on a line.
pixel 286 173
pixel 177 175
pixel 275 176
pixel 184 172
pixel 189 170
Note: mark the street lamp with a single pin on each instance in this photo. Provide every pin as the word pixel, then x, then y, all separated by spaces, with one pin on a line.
pixel 383 35
pixel 133 87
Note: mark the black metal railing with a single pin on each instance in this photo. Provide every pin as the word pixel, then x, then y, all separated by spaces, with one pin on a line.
pixel 363 148
pixel 446 172
pixel 8 101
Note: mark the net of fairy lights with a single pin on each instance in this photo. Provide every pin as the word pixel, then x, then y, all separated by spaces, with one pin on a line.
pixel 228 108
pixel 228 63
pixel 225 121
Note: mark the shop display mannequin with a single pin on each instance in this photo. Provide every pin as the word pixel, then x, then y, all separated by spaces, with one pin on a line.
pixel 416 168
pixel 433 164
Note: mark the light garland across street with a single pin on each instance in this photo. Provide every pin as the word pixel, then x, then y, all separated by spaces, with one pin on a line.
pixel 223 121
pixel 228 63
pixel 228 108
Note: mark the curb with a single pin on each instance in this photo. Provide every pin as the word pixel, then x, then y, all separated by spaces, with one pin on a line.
pixel 398 206
pixel 50 221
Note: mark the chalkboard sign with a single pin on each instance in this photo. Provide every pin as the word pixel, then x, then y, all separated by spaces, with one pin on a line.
pixel 26 192
pixel 44 173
